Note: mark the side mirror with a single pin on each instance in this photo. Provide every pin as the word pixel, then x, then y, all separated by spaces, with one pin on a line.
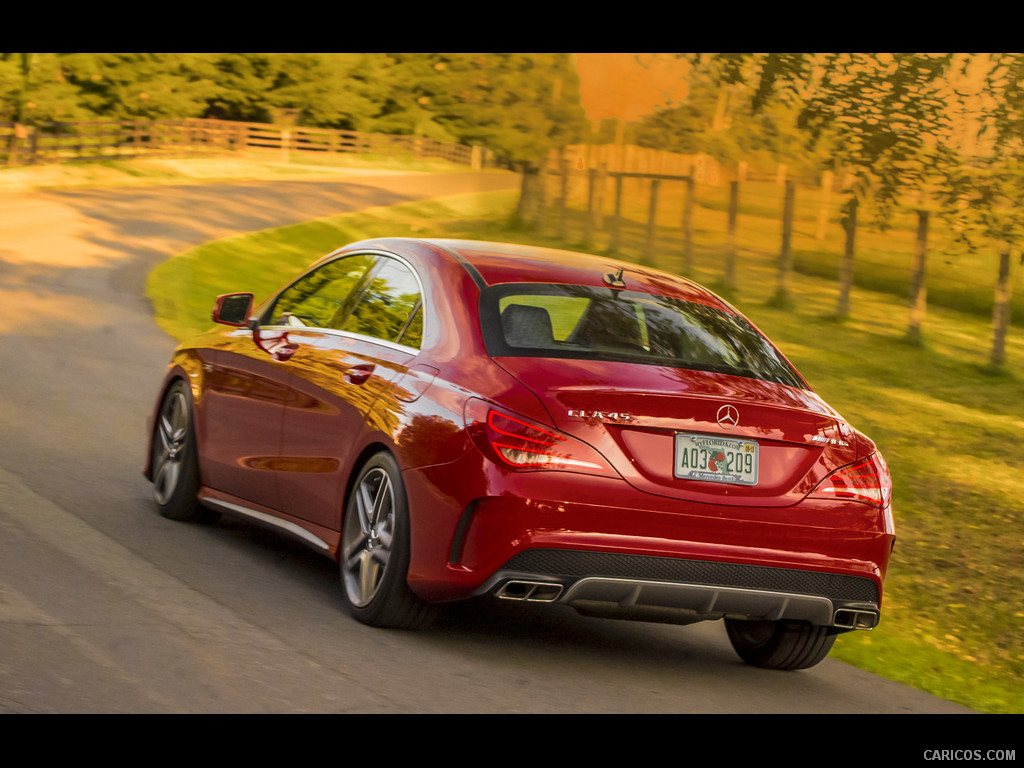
pixel 233 309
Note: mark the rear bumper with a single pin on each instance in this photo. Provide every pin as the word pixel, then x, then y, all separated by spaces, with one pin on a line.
pixel 602 547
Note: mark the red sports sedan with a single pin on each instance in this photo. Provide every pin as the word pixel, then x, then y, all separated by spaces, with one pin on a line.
pixel 451 418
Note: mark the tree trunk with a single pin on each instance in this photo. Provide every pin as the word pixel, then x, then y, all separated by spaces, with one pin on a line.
pixel 846 265
pixel 1001 312
pixel 918 289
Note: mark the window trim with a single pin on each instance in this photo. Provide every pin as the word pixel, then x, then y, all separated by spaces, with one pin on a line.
pixel 350 303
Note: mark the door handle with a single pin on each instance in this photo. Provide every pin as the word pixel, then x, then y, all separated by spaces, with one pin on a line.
pixel 359 374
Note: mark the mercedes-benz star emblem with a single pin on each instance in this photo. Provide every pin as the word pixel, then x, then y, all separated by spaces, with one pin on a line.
pixel 728 417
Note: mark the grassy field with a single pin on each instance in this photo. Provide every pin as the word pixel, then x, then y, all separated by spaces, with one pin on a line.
pixel 951 428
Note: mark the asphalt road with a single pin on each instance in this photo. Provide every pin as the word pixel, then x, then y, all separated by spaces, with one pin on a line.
pixel 107 607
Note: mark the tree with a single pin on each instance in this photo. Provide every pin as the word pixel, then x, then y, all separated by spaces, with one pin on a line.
pixel 34 88
pixel 140 85
pixel 333 90
pixel 518 105
pixel 709 121
pixel 981 196
pixel 886 113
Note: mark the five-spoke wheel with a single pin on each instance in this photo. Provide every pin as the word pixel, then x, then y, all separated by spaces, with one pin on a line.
pixel 174 466
pixel 375 548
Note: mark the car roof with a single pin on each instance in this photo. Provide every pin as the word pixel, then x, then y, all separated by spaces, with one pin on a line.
pixel 499 263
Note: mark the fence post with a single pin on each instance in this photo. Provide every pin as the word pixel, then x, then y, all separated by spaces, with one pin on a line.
pixel 846 265
pixel 652 222
pixel 525 193
pixel 12 146
pixel 563 198
pixel 616 240
pixel 33 145
pixel 590 219
pixel 918 289
pixel 730 243
pixel 786 255
pixel 1001 310
pixel 688 225
pixel 541 217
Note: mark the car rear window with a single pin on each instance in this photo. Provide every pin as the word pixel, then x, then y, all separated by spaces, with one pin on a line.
pixel 583 322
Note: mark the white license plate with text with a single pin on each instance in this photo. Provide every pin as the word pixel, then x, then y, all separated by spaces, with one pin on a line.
pixel 716 459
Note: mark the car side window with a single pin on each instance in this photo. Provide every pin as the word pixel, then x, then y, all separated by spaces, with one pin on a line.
pixel 389 306
pixel 318 299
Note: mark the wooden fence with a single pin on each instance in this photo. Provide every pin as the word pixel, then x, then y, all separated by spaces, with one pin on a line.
pixel 59 141
pixel 764 227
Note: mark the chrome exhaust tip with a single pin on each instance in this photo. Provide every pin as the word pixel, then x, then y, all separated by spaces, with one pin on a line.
pixel 530 591
pixel 851 618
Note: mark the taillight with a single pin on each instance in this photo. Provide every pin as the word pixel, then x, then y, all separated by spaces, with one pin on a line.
pixel 866 480
pixel 517 442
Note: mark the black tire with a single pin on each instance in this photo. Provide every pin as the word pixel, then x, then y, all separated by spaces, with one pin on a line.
pixel 374 558
pixel 174 465
pixel 784 645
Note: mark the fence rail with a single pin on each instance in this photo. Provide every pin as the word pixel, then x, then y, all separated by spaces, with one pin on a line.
pixel 60 141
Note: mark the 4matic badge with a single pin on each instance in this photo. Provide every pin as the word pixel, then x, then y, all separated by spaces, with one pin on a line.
pixel 829 440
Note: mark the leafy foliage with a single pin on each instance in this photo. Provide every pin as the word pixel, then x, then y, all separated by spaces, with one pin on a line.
pixel 708 121
pixel 889 114
pixel 906 125
pixel 34 88
pixel 981 195
pixel 517 104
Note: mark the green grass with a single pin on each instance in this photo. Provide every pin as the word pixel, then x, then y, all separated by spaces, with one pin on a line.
pixel 951 428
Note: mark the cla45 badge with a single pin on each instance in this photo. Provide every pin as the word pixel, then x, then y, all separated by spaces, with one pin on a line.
pixel 599 415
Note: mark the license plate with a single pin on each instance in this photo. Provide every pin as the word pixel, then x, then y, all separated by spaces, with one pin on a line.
pixel 716 459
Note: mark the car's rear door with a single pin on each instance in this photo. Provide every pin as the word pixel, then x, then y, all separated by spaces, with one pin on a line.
pixel 337 374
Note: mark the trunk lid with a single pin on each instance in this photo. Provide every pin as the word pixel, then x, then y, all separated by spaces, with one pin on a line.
pixel 649 420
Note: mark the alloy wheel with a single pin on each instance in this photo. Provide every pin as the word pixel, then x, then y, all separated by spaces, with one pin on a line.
pixel 171 446
pixel 369 534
